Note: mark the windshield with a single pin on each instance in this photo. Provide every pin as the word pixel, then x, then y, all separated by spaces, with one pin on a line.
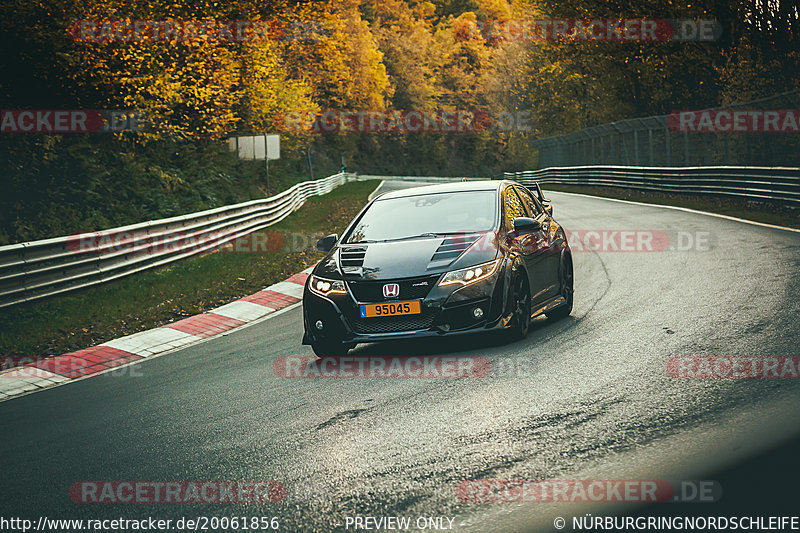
pixel 424 215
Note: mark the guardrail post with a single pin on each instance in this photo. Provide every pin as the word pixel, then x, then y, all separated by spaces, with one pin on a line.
pixel 686 148
pixel 727 149
pixel 602 151
pixel 669 148
pixel 747 147
pixel 25 276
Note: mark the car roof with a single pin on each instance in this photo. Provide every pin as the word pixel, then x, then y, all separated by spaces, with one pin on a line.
pixel 458 186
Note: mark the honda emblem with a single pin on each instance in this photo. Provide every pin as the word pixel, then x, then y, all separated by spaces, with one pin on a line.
pixel 391 290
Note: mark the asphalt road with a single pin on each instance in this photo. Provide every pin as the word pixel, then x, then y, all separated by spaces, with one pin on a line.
pixel 587 397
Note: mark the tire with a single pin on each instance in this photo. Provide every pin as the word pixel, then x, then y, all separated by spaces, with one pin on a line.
pixel 521 298
pixel 566 281
pixel 330 349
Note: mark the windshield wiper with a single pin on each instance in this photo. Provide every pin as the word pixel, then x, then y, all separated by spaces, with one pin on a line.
pixel 436 234
pixel 421 235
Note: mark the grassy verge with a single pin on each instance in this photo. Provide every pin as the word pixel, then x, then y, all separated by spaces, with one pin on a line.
pixel 55 185
pixel 756 211
pixel 86 318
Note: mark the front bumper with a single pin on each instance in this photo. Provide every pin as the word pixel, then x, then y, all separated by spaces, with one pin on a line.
pixel 445 311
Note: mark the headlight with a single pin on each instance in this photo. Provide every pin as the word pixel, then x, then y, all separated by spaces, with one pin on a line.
pixel 324 287
pixel 470 275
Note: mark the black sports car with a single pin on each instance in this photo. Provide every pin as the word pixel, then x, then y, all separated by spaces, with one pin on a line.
pixel 439 260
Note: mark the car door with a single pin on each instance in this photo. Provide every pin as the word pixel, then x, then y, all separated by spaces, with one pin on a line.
pixel 525 244
pixel 548 260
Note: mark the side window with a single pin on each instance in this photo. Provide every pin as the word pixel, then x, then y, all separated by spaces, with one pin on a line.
pixel 513 208
pixel 530 202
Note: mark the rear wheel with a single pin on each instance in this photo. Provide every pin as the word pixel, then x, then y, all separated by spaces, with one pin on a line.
pixel 521 319
pixel 565 278
pixel 330 348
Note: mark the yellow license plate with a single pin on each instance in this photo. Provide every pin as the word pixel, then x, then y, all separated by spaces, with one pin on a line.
pixel 391 309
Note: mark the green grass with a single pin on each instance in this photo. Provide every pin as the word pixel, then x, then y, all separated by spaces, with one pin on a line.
pixel 755 211
pixel 146 300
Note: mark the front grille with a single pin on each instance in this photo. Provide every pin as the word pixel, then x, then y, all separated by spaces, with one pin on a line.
pixel 392 325
pixel 410 289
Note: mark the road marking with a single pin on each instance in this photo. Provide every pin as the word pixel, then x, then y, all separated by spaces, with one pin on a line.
pixel 375 193
pixel 288 288
pixel 205 324
pixel 244 311
pixel 685 209
pixel 147 343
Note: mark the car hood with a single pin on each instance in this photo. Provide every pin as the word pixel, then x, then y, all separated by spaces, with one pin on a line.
pixel 408 258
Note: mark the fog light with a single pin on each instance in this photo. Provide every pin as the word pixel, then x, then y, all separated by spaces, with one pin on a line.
pixel 319 325
pixel 477 313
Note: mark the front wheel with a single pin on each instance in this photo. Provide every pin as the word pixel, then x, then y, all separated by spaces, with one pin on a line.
pixel 330 349
pixel 565 278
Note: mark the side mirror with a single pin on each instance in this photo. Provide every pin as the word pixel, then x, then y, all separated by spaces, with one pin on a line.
pixel 526 225
pixel 549 209
pixel 540 194
pixel 327 243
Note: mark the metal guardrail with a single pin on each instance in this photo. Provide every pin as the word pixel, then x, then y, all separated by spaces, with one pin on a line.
pixel 423 179
pixel 762 184
pixel 37 269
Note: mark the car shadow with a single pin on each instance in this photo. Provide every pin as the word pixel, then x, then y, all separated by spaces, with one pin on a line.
pixel 447 345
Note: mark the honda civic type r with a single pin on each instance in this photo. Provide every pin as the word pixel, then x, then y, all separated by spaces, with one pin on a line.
pixel 439 260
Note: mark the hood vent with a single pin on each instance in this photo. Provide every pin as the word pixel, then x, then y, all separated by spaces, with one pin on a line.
pixel 352 259
pixel 451 248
